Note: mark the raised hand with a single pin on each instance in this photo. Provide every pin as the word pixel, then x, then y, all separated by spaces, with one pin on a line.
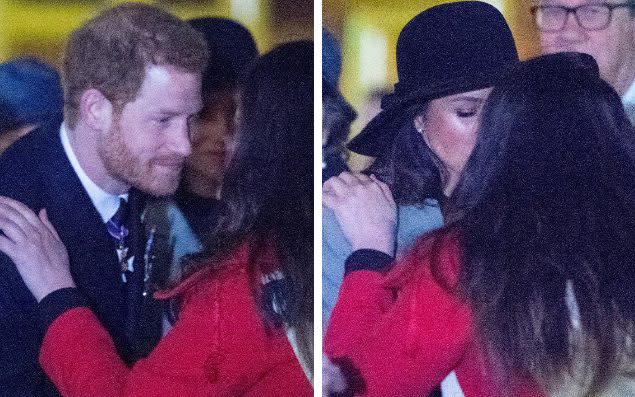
pixel 34 246
pixel 365 209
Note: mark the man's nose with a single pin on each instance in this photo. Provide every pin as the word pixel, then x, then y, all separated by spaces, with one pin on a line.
pixel 572 30
pixel 179 139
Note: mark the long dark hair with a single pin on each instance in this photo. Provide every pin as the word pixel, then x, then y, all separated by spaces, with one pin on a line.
pixel 407 165
pixel 267 192
pixel 549 228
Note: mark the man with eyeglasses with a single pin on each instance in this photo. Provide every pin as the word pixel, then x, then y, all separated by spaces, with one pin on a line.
pixel 603 29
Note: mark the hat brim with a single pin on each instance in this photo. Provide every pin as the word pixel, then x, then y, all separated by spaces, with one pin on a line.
pixel 379 133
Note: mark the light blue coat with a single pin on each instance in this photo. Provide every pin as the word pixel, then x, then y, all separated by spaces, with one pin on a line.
pixel 412 222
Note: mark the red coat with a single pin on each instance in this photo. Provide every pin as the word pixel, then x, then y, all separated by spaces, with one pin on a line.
pixel 405 346
pixel 220 346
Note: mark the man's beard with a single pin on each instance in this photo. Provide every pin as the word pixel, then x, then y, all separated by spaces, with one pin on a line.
pixel 121 163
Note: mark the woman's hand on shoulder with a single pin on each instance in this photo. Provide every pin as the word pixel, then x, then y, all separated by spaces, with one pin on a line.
pixel 365 210
pixel 34 246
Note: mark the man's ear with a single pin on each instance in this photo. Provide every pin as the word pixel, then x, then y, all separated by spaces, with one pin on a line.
pixel 95 109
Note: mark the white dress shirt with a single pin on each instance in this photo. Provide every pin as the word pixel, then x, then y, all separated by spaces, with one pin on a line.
pixel 106 204
pixel 628 100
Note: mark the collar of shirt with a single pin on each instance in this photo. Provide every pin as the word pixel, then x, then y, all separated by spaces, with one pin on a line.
pixel 105 203
pixel 629 96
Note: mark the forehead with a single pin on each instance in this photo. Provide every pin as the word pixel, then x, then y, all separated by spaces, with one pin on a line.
pixel 169 88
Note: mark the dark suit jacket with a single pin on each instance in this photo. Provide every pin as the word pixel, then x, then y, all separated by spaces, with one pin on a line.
pixel 36 171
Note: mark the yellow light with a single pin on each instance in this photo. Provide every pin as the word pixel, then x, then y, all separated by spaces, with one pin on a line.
pixel 246 11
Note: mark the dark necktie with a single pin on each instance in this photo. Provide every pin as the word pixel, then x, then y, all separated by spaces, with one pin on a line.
pixel 141 321
pixel 117 228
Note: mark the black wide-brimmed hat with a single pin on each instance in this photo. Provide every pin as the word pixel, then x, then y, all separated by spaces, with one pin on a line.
pixel 445 50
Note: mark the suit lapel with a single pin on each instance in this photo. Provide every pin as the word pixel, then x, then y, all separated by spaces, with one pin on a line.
pixel 92 251
pixel 144 313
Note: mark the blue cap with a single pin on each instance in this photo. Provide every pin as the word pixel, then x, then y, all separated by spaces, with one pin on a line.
pixel 331 59
pixel 30 91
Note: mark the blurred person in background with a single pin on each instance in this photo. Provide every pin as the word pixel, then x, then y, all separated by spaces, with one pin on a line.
pixel 604 30
pixel 331 58
pixel 232 50
pixel 246 302
pixel 182 223
pixel 31 95
pixel 337 114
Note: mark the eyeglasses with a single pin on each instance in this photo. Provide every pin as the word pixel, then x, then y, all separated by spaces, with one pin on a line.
pixel 552 18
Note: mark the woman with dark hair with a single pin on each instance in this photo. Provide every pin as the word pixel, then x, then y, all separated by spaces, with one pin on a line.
pixel 243 300
pixel 531 292
pixel 183 221
pixel 448 58
pixel 232 50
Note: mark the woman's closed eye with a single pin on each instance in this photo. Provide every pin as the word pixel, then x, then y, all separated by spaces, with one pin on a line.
pixel 466 112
